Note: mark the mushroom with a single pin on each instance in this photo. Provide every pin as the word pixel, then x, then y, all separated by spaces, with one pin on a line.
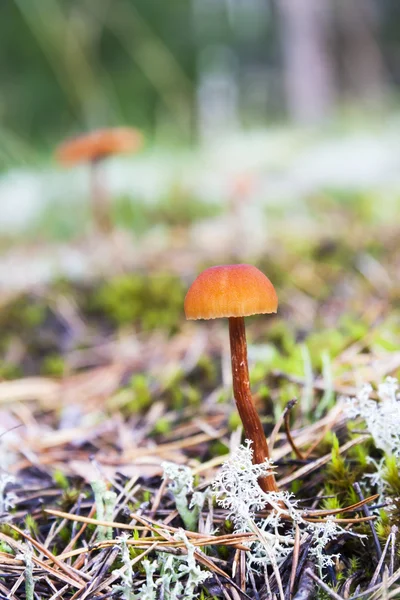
pixel 237 291
pixel 93 148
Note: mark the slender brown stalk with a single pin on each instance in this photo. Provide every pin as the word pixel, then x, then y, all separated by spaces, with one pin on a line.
pixel 99 198
pixel 252 426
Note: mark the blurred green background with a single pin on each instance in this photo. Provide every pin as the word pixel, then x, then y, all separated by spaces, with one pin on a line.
pixel 248 108
pixel 184 69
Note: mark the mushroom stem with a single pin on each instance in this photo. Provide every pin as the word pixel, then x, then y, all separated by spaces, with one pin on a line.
pixel 100 198
pixel 252 426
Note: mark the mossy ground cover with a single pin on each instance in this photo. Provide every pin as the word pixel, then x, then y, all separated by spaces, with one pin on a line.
pixel 104 380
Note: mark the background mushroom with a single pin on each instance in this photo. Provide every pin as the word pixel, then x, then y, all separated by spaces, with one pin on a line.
pixel 237 291
pixel 93 148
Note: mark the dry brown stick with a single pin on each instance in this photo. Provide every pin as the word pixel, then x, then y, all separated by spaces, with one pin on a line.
pixel 253 584
pixel 367 513
pixel 158 497
pixel 335 511
pixel 377 588
pixel 242 570
pixel 74 540
pixel 318 440
pixel 44 566
pixel 17 584
pixel 380 563
pixel 63 567
pixel 319 462
pixel 295 560
pixel 118 572
pixel 323 585
pixel 102 568
pixel 189 534
pixel 279 422
pixel 393 532
pixel 149 524
pixel 91 521
pixel 7 593
pixel 355 520
pixel 290 439
pixel 207 562
pixel 306 588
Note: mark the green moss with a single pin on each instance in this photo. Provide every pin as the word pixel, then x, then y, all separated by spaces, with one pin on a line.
pixel 24 313
pixel 149 303
pixel 259 372
pixel 69 497
pixel 162 426
pixel 140 387
pixel 383 526
pixel 207 369
pixel 4 547
pixel 146 496
pixel 60 480
pixel 296 486
pixel 53 365
pixel 234 421
pixel 9 532
pixel 31 526
pixel 65 535
pixel 360 454
pixel 223 552
pixel 392 474
pixel 392 478
pixel 224 396
pixel 218 448
pixel 340 475
pixel 179 394
pixel 9 370
pixel 281 336
pixel 133 399
pixel 332 502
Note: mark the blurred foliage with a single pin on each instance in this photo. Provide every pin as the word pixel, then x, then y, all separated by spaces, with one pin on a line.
pixel 177 208
pixel 153 302
pixel 69 65
pixel 65 221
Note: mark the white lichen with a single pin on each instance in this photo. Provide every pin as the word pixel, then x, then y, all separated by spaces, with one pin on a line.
pixel 237 490
pixel 167 576
pixel 27 557
pixel 7 498
pixel 382 416
pixel 105 504
pixel 181 485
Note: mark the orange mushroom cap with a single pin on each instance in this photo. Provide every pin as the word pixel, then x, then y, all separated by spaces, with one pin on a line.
pixel 99 144
pixel 230 291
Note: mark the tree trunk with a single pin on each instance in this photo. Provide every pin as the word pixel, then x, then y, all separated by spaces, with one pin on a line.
pixel 307 60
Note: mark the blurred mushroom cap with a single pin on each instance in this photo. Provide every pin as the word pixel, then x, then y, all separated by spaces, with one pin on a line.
pixel 99 144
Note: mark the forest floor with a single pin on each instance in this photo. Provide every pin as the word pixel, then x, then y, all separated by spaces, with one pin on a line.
pixel 103 382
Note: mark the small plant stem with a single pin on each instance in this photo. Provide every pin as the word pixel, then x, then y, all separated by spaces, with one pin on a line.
pixel 110 499
pixel 295 562
pixel 29 581
pixel 100 198
pixel 99 489
pixel 252 425
pixel 322 585
pixel 290 439
pixel 367 513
